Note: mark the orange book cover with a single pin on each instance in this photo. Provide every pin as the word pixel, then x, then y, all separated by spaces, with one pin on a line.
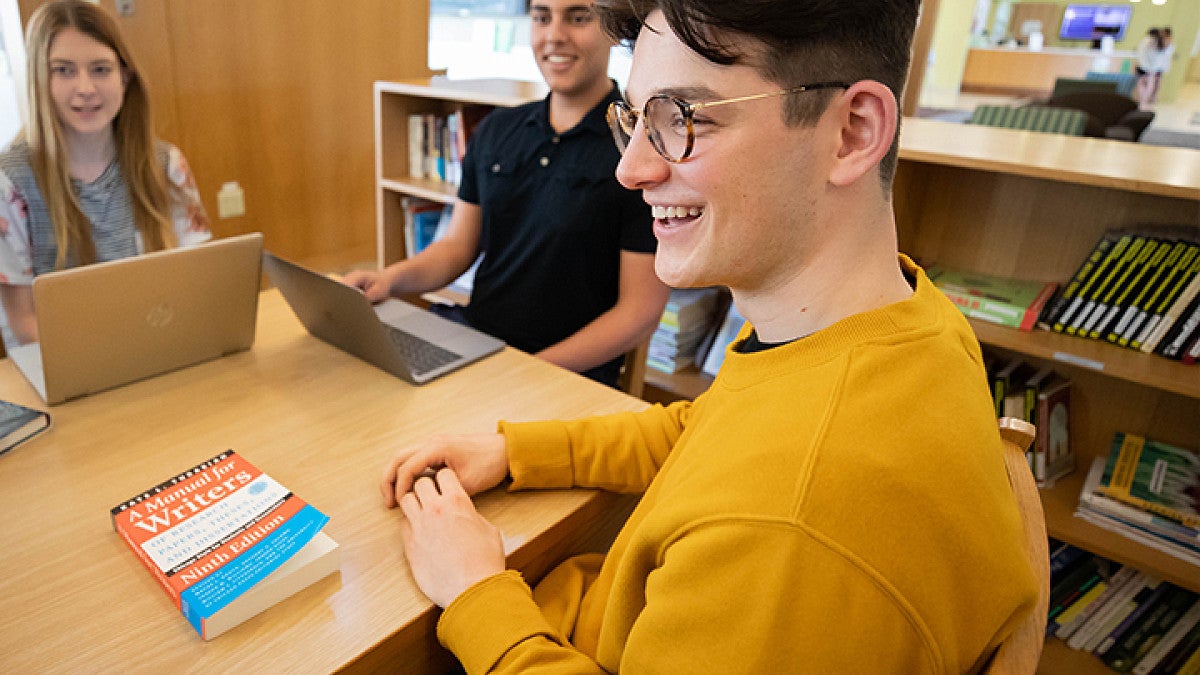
pixel 211 533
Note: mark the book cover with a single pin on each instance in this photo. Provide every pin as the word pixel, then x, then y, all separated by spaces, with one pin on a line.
pixel 1092 499
pixel 1015 303
pixel 1172 637
pixel 1142 602
pixel 19 424
pixel 1154 476
pixel 1169 280
pixel 1063 298
pixel 1135 256
pixel 1097 627
pixel 1088 289
pixel 1154 624
pixel 225 541
pixel 1153 251
pixel 416 146
pixel 1137 592
pixel 1161 264
pixel 1172 314
pixel 729 331
pixel 1179 656
pixel 1177 286
pixel 1111 586
pixel 1192 353
pixel 1176 340
pixel 1053 457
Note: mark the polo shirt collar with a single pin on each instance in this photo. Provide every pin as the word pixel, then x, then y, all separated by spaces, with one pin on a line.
pixel 595 121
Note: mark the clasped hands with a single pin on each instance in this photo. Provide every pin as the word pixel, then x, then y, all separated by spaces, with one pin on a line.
pixel 449 545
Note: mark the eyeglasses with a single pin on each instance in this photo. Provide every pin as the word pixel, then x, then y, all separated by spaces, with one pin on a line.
pixel 670 121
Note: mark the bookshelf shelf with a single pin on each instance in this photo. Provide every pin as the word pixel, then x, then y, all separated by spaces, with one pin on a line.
pixel 1117 362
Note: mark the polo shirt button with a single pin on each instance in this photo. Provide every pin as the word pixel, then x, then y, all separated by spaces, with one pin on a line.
pixel 545 161
pixel 555 140
pixel 495 168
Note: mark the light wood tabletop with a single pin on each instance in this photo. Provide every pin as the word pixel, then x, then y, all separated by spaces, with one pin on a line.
pixel 74 598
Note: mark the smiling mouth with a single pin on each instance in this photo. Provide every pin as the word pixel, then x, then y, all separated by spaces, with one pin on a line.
pixel 675 212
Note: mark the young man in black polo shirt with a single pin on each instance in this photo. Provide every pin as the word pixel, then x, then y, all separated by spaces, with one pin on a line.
pixel 568 254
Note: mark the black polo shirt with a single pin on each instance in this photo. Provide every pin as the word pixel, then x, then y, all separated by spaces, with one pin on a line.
pixel 555 221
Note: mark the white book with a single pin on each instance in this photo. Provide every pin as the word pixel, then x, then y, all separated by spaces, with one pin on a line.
pixel 1141 536
pixel 1096 628
pixel 1090 499
pixel 1118 580
pixel 1169 639
pixel 416 146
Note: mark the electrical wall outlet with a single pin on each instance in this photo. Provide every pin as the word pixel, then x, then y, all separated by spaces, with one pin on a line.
pixel 231 200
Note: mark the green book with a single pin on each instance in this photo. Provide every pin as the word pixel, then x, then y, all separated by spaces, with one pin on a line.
pixel 1015 303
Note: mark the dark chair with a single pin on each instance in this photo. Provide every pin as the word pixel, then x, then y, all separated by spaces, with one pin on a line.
pixel 1115 116
pixel 1070 85
pixel 1125 81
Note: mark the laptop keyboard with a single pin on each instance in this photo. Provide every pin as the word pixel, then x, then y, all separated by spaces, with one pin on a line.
pixel 422 355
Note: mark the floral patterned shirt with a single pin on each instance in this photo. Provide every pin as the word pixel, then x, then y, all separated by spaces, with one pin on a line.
pixel 27 246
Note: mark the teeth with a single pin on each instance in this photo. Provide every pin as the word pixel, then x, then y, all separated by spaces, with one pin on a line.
pixel 661 212
pixel 558 59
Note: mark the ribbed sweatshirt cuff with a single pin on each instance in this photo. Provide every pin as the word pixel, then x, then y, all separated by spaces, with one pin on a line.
pixel 539 455
pixel 490 618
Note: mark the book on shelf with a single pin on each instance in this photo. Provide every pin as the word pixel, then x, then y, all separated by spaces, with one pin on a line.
pixel 686 319
pixel 1139 605
pixel 1158 268
pixel 1184 655
pixel 1090 635
pixel 421 220
pixel 1092 498
pixel 1015 303
pixel 19 424
pixel 1176 339
pixel 1192 354
pixel 1174 635
pixel 1167 279
pixel 1181 285
pixel 1157 619
pixel 1078 615
pixel 731 325
pixel 226 541
pixel 1115 286
pixel 1155 476
pixel 1053 456
pixel 1067 293
pixel 1005 376
pixel 1135 278
pixel 1089 289
pixel 416 146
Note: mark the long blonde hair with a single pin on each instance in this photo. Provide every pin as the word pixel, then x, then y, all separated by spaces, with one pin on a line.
pixel 133 136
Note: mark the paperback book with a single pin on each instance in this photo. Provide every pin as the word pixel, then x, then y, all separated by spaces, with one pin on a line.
pixel 1155 477
pixel 1015 303
pixel 226 541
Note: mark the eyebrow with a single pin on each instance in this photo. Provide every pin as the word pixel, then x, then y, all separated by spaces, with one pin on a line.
pixel 690 94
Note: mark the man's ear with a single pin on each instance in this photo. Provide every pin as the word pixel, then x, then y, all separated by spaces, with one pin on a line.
pixel 868 115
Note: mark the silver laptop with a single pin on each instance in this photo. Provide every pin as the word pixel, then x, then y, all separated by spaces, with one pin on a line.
pixel 398 337
pixel 104 325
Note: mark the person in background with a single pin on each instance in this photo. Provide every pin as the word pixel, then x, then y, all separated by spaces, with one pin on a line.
pixel 1163 60
pixel 86 180
pixel 837 501
pixel 568 267
pixel 1149 60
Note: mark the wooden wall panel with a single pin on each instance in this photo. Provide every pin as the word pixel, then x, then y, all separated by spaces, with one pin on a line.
pixel 276 95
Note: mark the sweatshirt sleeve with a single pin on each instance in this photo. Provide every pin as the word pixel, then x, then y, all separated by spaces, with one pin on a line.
pixel 16 256
pixel 620 453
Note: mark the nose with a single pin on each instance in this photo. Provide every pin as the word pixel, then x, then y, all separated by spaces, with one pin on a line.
pixel 84 83
pixel 641 166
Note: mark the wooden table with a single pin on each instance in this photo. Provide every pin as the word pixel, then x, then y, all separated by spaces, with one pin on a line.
pixel 74 598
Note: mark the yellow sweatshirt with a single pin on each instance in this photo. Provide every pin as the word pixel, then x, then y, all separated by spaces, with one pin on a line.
pixel 838 504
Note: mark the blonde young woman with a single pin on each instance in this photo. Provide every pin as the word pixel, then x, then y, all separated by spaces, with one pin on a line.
pixel 86 180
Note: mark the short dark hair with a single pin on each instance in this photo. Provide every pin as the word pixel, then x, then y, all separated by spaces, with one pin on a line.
pixel 803 41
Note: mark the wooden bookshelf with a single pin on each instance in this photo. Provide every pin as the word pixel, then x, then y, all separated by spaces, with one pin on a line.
pixel 1032 205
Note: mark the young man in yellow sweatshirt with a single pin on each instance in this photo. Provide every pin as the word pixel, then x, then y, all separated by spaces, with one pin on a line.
pixel 837 501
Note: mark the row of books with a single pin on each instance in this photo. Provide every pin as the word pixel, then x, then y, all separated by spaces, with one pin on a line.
pixel 1138 289
pixel 1148 491
pixel 1131 620
pixel 425 221
pixel 687 320
pixel 437 143
pixel 1042 397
